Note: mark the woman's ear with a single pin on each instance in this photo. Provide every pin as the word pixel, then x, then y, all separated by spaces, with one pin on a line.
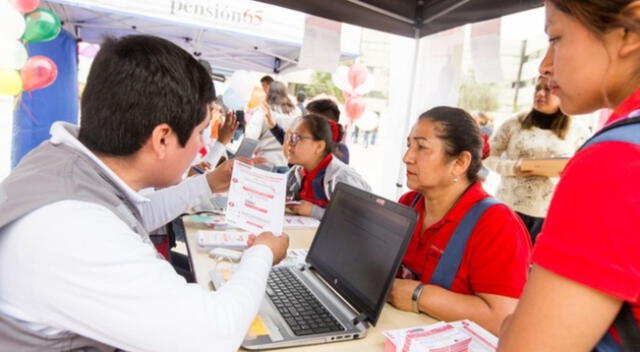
pixel 320 147
pixel 631 37
pixel 461 164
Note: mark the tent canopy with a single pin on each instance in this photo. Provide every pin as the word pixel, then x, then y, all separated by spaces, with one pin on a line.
pixel 231 35
pixel 404 17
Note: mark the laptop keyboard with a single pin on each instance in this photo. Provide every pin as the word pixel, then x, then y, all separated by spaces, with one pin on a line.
pixel 301 310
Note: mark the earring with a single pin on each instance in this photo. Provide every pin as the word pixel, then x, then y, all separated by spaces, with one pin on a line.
pixel 455 179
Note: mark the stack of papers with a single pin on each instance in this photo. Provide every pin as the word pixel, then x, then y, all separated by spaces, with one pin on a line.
pixel 214 221
pixel 457 336
pixel 228 239
pixel 303 222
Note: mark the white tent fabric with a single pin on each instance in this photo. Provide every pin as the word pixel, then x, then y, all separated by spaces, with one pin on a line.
pixel 230 34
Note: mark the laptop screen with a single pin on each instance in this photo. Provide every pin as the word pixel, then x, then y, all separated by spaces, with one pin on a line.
pixel 359 246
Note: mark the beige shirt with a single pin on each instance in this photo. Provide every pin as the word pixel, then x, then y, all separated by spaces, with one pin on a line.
pixel 510 143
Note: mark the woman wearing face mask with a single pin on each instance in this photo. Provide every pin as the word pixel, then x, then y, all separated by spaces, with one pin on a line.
pixel 586 263
pixel 283 112
pixel 442 159
pixel 543 132
pixel 316 172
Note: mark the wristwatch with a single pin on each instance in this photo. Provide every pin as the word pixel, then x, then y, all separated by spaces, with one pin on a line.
pixel 415 297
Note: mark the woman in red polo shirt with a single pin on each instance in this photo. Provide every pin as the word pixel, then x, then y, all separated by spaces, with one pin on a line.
pixel 309 145
pixel 443 159
pixel 587 258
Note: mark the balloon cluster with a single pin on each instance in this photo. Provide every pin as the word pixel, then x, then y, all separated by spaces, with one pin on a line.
pixel 21 21
pixel 354 81
pixel 242 92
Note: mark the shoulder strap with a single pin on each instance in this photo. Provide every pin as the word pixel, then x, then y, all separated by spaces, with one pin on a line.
pixel 416 198
pixel 450 260
pixel 627 130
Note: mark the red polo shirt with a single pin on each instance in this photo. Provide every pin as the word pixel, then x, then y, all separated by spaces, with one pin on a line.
pixel 496 259
pixel 592 232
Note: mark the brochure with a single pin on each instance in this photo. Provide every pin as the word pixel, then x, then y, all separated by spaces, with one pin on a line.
pixel 256 199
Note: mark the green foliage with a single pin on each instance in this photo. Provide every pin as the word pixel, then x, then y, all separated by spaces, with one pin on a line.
pixel 321 83
pixel 476 96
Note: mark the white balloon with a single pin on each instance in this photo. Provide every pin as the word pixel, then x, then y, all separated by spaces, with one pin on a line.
pixel 11 21
pixel 242 83
pixel 14 55
pixel 341 78
pixel 367 86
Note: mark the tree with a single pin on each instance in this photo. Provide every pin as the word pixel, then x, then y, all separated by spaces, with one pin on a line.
pixel 321 83
pixel 476 96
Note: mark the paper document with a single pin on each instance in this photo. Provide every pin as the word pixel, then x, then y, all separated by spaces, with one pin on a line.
pixel 256 199
pixel 461 335
pixel 231 239
pixel 295 221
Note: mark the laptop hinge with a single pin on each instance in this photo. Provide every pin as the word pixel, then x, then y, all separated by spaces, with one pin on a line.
pixel 359 319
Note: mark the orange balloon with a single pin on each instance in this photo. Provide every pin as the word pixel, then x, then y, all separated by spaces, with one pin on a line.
pixel 257 97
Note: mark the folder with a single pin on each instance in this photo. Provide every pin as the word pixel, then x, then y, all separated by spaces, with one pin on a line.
pixel 550 167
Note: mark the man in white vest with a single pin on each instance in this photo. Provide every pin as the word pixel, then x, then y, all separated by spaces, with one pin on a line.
pixel 77 269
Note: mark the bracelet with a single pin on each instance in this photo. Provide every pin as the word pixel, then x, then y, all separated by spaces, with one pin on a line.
pixel 416 296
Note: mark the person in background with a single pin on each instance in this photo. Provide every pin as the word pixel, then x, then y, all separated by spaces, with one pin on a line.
pixel 586 265
pixel 283 112
pixel 265 82
pixel 93 280
pixel 323 107
pixel 442 159
pixel 543 132
pixel 316 171
pixel 300 98
pixel 485 120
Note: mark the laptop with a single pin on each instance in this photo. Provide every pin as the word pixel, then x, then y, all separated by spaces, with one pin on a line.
pixel 344 283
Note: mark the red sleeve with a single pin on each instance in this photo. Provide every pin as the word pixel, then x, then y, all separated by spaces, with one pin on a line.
pixel 499 253
pixel 592 232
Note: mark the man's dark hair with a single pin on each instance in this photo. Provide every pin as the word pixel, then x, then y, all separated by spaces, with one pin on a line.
pixel 325 107
pixel 267 79
pixel 136 83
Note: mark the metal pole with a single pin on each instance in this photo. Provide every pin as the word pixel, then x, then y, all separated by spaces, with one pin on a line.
pixel 522 61
pixel 407 121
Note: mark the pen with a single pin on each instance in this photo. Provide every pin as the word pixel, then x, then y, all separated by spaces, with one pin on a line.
pixel 198 170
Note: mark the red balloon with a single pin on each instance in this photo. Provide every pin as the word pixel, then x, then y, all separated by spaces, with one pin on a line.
pixel 38 72
pixel 357 75
pixel 25 6
pixel 354 107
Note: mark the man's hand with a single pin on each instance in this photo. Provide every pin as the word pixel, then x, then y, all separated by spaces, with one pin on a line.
pixel 304 208
pixel 219 178
pixel 268 117
pixel 401 292
pixel 277 244
pixel 227 128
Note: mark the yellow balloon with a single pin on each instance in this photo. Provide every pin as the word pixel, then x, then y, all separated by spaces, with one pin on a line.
pixel 257 97
pixel 10 82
